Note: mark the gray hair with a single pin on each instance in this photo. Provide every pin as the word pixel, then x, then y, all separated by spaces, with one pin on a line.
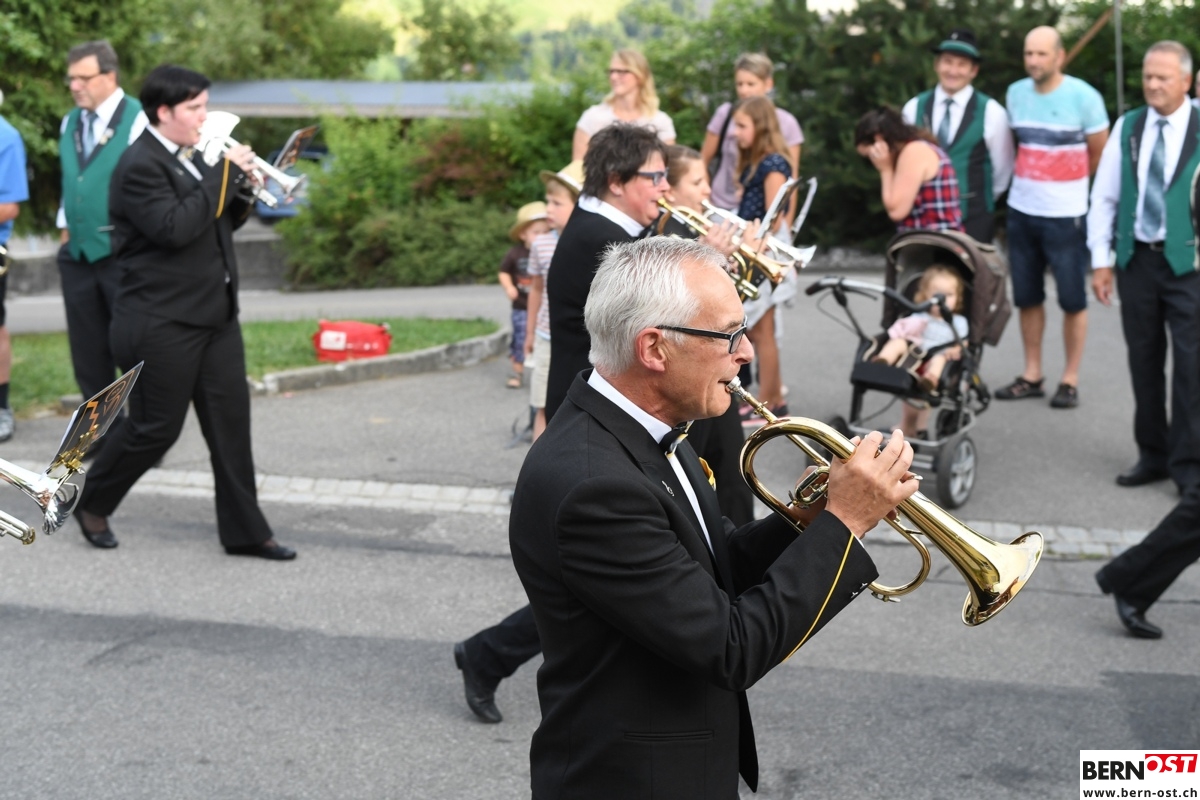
pixel 106 57
pixel 1175 48
pixel 639 285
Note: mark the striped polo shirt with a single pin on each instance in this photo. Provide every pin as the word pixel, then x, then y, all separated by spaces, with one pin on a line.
pixel 1050 177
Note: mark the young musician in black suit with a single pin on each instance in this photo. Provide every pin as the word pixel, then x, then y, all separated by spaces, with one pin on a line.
pixel 655 613
pixel 173 218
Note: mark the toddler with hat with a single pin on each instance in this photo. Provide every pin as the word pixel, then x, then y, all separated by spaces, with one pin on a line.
pixel 514 279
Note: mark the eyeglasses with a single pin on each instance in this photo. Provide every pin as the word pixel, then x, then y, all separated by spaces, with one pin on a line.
pixel 655 177
pixel 615 71
pixel 735 338
pixel 84 79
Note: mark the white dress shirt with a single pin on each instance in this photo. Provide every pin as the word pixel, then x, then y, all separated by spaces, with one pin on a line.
pixel 100 123
pixel 1106 190
pixel 997 135
pixel 657 430
pixel 610 212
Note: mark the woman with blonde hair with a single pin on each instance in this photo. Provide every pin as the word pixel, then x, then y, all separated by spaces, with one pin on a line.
pixel 753 76
pixel 632 99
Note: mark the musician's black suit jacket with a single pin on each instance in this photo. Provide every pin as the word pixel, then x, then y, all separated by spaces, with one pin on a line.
pixel 173 250
pixel 577 255
pixel 650 642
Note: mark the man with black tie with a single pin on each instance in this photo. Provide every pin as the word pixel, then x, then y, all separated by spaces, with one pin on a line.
pixel 92 138
pixel 173 218
pixel 971 127
pixel 1141 208
pixel 655 613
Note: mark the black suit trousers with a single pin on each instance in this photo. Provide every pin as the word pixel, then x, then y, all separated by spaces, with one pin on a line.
pixel 89 292
pixel 497 652
pixel 201 365
pixel 1155 302
pixel 1143 572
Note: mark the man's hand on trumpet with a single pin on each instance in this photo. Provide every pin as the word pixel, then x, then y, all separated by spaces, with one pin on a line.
pixel 868 486
pixel 243 157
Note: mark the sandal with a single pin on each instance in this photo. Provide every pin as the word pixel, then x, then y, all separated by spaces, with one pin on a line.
pixel 1067 396
pixel 1020 389
pixel 513 382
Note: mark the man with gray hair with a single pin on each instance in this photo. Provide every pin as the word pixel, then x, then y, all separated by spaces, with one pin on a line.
pixel 655 613
pixel 1142 210
pixel 91 140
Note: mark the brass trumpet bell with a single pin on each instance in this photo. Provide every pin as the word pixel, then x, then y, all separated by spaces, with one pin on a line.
pixel 993 571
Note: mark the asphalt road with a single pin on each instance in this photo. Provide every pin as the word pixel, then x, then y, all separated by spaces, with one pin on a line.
pixel 167 669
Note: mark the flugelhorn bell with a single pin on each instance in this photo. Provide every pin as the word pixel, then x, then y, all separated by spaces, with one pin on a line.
pixel 216 141
pixel 994 571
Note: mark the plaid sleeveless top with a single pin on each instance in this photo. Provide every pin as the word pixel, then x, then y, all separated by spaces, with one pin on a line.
pixel 936 207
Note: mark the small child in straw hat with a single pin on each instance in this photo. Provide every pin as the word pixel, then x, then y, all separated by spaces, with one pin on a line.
pixel 514 279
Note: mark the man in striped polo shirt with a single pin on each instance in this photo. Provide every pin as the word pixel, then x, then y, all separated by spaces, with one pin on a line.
pixel 971 127
pixel 1061 126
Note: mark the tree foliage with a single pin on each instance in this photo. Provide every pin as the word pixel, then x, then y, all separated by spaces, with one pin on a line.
pixel 454 43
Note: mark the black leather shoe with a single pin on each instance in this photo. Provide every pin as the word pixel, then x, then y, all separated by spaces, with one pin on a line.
pixel 104 539
pixel 1140 474
pixel 480 700
pixel 1135 621
pixel 270 549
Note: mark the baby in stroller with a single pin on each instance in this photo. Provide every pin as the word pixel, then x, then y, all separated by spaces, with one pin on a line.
pixel 923 342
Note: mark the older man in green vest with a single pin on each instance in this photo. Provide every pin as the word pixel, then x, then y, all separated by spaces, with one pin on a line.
pixel 1142 208
pixel 971 127
pixel 92 138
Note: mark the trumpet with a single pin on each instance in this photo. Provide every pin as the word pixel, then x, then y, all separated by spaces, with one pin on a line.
pixel 751 264
pixel 5 261
pixel 778 249
pixel 215 142
pixel 994 571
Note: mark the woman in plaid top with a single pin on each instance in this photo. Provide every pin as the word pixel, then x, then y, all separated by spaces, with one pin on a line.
pixel 918 185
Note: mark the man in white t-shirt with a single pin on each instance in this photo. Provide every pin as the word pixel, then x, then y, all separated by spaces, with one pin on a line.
pixel 1061 126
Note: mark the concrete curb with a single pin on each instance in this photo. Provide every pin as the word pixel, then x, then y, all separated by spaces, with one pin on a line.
pixel 432 359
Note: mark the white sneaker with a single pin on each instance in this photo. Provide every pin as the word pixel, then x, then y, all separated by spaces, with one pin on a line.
pixel 6 424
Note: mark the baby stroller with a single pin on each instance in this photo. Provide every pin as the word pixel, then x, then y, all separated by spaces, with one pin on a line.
pixel 960 394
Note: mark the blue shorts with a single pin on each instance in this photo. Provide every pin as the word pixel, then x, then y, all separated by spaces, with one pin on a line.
pixel 1060 243
pixel 517 346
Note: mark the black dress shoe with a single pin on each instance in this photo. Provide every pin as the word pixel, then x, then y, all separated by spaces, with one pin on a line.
pixel 1140 474
pixel 270 549
pixel 104 539
pixel 480 700
pixel 1135 621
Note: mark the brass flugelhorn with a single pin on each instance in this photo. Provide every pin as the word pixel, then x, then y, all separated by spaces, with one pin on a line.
pixel 994 571
pixel 749 262
pixel 215 142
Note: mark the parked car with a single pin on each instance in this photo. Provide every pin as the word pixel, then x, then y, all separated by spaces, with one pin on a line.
pixel 289 205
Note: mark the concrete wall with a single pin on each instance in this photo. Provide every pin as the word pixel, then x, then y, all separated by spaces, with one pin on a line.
pixel 259 254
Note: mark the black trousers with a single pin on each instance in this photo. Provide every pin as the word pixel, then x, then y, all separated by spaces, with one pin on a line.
pixel 88 292
pixel 183 364
pixel 1143 572
pixel 981 227
pixel 1154 303
pixel 497 652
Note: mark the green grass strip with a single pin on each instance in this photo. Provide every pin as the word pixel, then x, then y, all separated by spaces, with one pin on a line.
pixel 42 373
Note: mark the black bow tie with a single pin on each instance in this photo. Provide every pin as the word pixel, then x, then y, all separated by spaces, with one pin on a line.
pixel 674 437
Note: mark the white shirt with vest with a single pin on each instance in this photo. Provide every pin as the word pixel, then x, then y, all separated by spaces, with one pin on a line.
pixel 1106 190
pixel 997 136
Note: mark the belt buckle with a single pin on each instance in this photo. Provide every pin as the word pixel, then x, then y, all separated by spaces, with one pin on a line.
pixel 1156 247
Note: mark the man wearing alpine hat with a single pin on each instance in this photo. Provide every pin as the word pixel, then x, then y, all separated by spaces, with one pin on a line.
pixel 971 127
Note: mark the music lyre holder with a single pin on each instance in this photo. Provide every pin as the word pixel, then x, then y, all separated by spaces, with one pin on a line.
pixel 54 490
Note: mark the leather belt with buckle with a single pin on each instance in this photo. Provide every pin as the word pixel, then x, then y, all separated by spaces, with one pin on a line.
pixel 1156 247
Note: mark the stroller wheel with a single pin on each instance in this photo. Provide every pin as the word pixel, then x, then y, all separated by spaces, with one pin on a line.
pixel 955 467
